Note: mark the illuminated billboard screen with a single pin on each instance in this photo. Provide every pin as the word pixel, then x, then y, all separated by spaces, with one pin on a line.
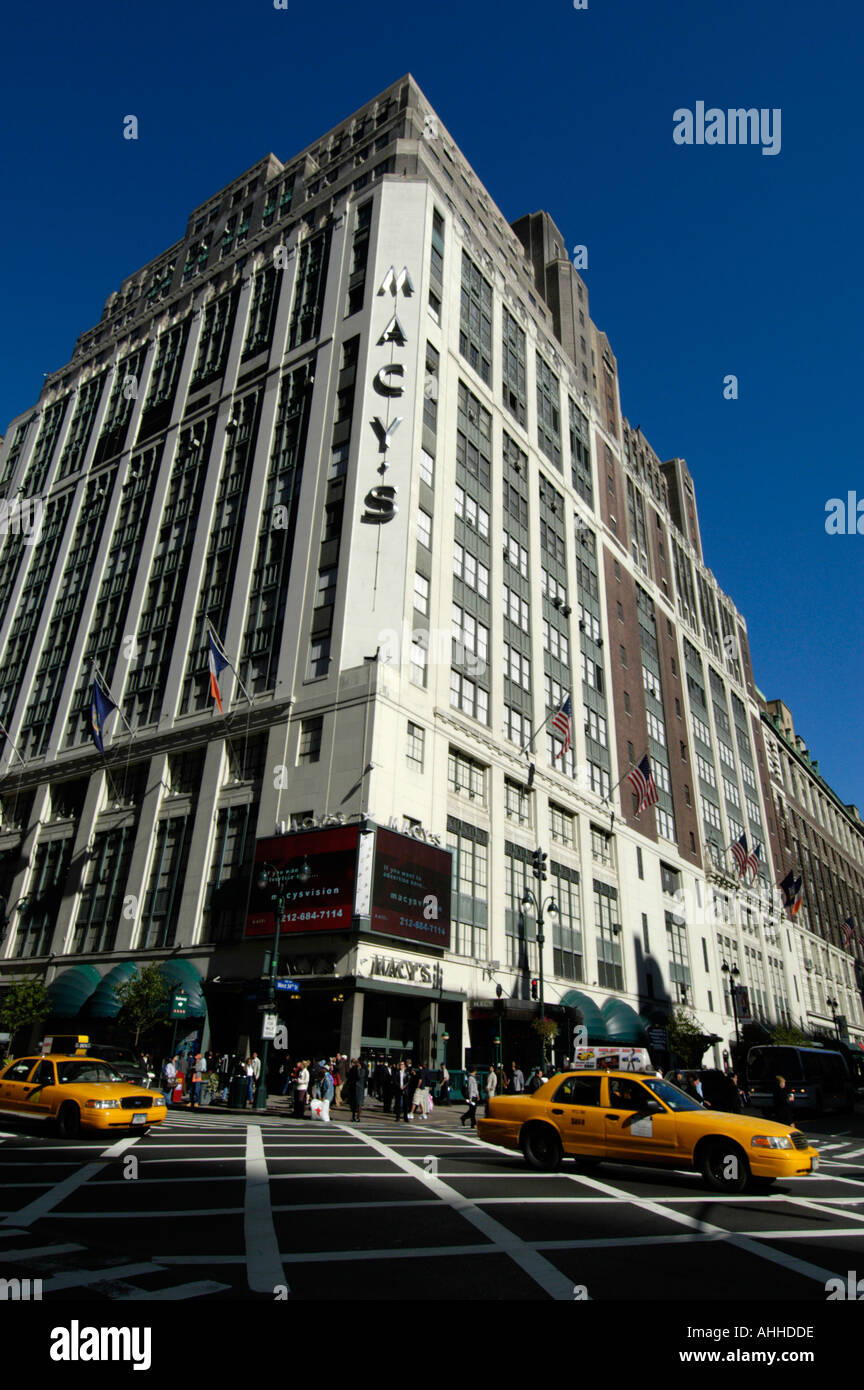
pixel 319 892
pixel 411 889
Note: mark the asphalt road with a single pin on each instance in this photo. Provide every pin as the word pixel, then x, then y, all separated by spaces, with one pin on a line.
pixel 223 1207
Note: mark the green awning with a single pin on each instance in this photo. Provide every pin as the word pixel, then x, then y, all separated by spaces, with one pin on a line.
pixel 623 1024
pixel 591 1015
pixel 71 989
pixel 104 1003
pixel 183 972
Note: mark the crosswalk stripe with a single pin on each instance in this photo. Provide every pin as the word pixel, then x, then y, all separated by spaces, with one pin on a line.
pixel 40 1251
pixel 179 1291
pixel 73 1277
pixel 854 1153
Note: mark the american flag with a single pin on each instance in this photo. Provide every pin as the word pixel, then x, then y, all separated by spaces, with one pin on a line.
pixel 792 890
pixel 848 930
pixel 641 779
pixel 753 860
pixel 741 855
pixel 562 720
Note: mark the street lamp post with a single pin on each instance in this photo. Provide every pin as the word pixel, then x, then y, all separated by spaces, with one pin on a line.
pixel 733 972
pixel 271 876
pixel 538 859
pixel 833 1005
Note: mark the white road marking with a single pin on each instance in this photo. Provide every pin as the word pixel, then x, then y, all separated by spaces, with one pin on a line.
pixel 180 1291
pixel 541 1271
pixel 264 1269
pixel 69 1279
pixel 64 1189
pixel 40 1251
pixel 741 1242
pixel 854 1153
pixel 150 1215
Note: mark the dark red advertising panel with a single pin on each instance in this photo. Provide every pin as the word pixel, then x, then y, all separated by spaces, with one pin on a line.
pixel 319 891
pixel 411 889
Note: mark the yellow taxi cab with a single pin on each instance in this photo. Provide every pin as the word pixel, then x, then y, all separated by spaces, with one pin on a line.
pixel 624 1117
pixel 75 1092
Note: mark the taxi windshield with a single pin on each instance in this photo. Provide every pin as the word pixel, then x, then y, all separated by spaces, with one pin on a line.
pixel 670 1095
pixel 84 1072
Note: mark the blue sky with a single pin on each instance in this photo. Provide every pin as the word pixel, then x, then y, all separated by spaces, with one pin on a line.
pixel 703 261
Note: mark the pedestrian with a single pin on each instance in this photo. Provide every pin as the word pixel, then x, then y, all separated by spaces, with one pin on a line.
pixel 256 1074
pixel 742 1094
pixel 444 1088
pixel 386 1085
pixel 400 1092
pixel 356 1087
pixel 194 1078
pixel 328 1089
pixel 517 1080
pixel 286 1074
pixel 491 1087
pixel 249 1071
pixel 782 1107
pixel 535 1081
pixel 339 1075
pixel 420 1098
pixel 169 1079
pixel 226 1066
pixel 301 1087
pixel 410 1090
pixel 472 1096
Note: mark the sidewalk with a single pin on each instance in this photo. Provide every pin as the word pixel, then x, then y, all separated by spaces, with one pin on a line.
pixel 443 1116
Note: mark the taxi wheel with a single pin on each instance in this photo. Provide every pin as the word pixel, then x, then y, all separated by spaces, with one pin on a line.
pixel 69 1120
pixel 541 1148
pixel 724 1167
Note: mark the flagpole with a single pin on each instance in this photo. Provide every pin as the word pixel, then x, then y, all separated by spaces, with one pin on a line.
pixel 211 629
pixel 538 730
pixel 6 734
pixel 98 670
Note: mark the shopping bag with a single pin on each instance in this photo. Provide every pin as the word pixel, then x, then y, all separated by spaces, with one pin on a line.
pixel 430 1104
pixel 316 1107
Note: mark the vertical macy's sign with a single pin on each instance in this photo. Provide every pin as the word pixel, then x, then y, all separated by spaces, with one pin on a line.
pixel 380 501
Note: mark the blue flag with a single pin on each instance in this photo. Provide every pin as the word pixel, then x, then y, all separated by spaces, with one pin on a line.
pixel 101 706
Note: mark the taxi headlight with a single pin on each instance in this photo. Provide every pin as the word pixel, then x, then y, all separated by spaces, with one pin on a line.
pixel 771 1141
pixel 102 1104
pixel 157 1101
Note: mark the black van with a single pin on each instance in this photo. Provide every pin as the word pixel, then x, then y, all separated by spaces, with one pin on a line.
pixel 816 1079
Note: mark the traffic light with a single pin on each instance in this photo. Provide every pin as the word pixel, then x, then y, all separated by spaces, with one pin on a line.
pixel 538 860
pixel 534 994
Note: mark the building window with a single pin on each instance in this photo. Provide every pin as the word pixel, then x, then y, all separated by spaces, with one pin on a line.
pixel 421 593
pixel 639 865
pixel 414 749
pixel 513 369
pixel 567 922
pixel 309 747
pixel 561 824
pixel 601 846
pixel 427 468
pixel 466 777
pixel 517 802
pixel 475 320
pixel 424 529
pixel 548 412
pixel 679 959
pixel 469 697
pixel 418 663
pixel 610 971
pixel 470 860
pixel 319 658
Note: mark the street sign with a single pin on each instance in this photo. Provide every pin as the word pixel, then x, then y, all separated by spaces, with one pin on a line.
pixel 268 1025
pixel 265 1007
pixel 292 986
pixel 658 1038
pixel 179 1004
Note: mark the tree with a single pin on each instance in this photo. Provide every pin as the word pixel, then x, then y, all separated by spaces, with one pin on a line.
pixel 145 1000
pixel 26 1003
pixel 791 1036
pixel 686 1039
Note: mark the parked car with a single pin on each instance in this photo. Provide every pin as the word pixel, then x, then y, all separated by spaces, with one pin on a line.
pixel 124 1060
pixel 625 1118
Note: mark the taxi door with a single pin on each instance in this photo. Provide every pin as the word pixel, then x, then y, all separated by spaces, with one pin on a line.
pixel 15 1086
pixel 40 1092
pixel 577 1112
pixel 634 1126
